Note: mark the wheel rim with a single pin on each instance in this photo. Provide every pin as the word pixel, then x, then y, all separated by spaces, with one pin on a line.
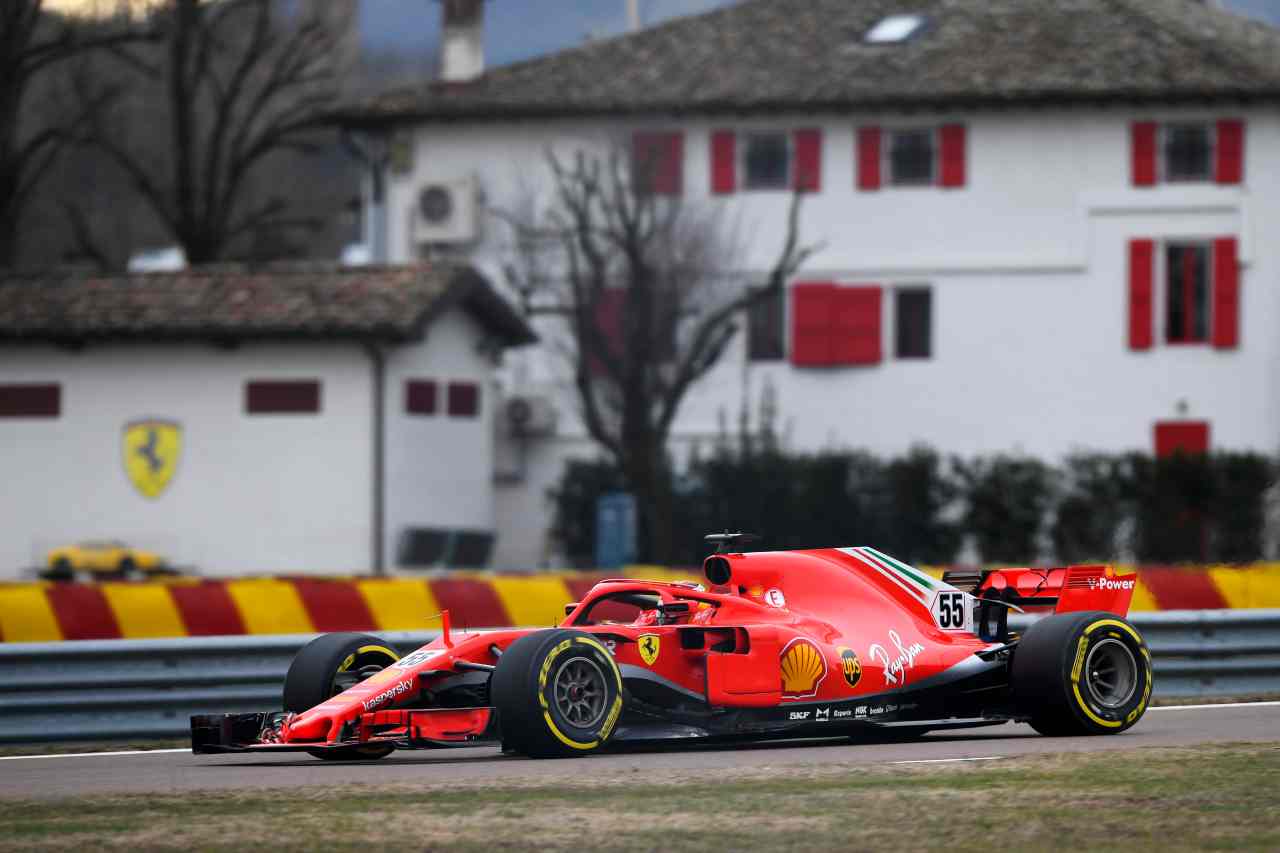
pixel 1111 673
pixel 580 692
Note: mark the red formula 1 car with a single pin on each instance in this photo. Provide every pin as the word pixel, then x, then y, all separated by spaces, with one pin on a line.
pixel 826 642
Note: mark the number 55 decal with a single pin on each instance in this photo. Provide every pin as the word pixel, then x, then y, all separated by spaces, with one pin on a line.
pixel 952 612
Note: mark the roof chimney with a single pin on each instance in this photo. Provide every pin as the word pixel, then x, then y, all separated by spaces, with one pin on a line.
pixel 462 41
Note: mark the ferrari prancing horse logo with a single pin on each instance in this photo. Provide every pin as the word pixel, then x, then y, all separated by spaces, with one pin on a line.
pixel 649 645
pixel 151 452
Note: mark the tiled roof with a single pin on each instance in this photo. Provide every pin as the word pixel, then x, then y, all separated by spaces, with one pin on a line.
pixel 390 304
pixel 810 55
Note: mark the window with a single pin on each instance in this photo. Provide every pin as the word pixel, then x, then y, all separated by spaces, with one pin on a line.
pixel 912 157
pixel 657 164
pixel 272 397
pixel 914 317
pixel 1186 293
pixel 30 401
pixel 1187 151
pixel 765 329
pixel 1201 292
pixel 464 399
pixel 894 28
pixel 420 397
pixel 766 161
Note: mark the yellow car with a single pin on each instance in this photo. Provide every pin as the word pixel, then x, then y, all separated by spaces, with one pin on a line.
pixel 102 558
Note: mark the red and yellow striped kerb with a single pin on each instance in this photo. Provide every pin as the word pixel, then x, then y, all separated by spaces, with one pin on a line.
pixel 187 607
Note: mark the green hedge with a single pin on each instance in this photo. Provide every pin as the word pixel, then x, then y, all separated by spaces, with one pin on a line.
pixel 920 505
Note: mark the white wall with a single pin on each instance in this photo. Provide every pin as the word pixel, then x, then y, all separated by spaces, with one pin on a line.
pixel 439 468
pixel 1027 264
pixel 252 493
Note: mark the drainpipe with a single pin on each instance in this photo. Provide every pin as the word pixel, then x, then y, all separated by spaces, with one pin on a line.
pixel 378 363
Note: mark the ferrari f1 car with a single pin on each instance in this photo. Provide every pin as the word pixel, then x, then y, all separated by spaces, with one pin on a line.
pixel 830 642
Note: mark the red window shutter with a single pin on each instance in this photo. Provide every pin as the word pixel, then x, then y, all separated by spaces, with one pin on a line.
pixel 856 338
pixel 808 174
pixel 812 309
pixel 1230 166
pixel 868 158
pixel 1226 293
pixel 1181 437
pixel 658 162
pixel 952 142
pixel 672 177
pixel 1144 153
pixel 1141 263
pixel 608 319
pixel 723 162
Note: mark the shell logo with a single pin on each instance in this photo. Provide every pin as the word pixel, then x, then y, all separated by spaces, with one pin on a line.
pixel 803 668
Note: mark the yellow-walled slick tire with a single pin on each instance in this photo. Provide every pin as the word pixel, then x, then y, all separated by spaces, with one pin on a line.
pixel 1082 674
pixel 327 666
pixel 558 694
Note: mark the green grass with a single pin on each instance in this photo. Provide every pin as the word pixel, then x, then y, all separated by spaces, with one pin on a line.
pixel 1202 798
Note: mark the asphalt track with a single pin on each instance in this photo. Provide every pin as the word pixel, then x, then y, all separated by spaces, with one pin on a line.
pixel 178 772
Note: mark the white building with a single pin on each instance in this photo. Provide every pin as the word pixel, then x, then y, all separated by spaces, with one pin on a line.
pixel 265 422
pixel 1045 222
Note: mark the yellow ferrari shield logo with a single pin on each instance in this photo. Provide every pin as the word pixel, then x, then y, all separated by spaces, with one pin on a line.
pixel 151 451
pixel 649 645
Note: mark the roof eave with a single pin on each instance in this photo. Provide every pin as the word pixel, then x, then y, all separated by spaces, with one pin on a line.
pixel 376 118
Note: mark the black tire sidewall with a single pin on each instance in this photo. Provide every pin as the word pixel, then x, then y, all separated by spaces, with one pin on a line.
pixel 310 677
pixel 523 692
pixel 1048 674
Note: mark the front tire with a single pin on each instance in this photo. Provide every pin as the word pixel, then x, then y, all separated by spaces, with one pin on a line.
pixel 558 694
pixel 327 666
pixel 1082 674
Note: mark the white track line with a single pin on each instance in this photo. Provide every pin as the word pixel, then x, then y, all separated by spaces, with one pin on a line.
pixel 94 754
pixel 1218 705
pixel 948 760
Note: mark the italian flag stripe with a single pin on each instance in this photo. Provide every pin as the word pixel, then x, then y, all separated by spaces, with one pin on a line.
pixel 918 576
pixel 897 577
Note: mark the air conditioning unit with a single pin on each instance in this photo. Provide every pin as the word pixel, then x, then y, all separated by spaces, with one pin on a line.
pixel 447 212
pixel 530 415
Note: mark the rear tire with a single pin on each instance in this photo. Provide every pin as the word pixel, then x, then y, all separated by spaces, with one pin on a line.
pixel 327 666
pixel 558 694
pixel 1081 674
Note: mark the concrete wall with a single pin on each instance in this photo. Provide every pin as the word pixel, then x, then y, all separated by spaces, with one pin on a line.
pixel 1027 264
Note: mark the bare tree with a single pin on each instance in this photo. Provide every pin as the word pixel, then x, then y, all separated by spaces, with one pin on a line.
pixel 32 42
pixel 239 86
pixel 608 252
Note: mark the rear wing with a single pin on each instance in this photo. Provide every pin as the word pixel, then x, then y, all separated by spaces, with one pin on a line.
pixel 1066 590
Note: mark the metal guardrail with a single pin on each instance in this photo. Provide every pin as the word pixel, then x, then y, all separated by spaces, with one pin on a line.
pixel 111 689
